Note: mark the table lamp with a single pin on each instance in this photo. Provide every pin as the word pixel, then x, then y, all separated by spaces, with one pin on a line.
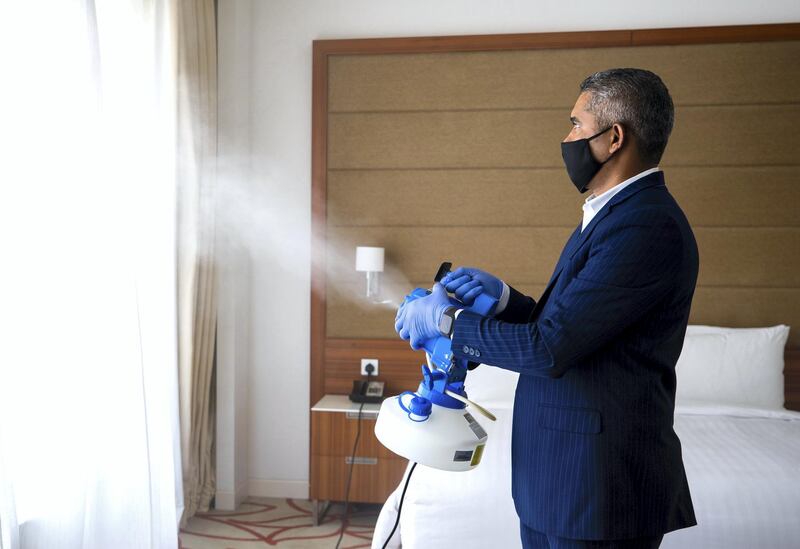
pixel 369 259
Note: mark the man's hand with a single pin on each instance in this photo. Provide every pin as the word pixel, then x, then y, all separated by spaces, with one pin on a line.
pixel 418 320
pixel 467 283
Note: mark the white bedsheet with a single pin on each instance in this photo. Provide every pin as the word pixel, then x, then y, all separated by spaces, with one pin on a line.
pixel 743 467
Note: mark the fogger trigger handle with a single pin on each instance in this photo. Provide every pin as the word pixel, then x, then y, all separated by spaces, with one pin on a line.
pixel 483 305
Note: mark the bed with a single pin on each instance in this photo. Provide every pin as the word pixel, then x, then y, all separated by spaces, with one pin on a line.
pixel 741 451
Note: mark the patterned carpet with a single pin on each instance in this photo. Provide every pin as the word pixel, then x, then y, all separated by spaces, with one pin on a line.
pixel 286 523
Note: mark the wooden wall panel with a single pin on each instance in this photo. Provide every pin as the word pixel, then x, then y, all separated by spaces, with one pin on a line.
pixel 531 252
pixel 732 307
pixel 729 256
pixel 399 364
pixel 370 322
pixel 746 135
pixel 739 135
pixel 711 196
pixel 452 197
pixel 748 307
pixel 452 139
pixel 737 257
pixel 737 196
pixel 705 74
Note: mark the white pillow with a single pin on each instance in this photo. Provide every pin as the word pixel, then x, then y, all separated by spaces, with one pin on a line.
pixel 732 366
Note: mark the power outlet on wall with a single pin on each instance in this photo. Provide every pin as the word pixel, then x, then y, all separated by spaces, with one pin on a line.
pixel 365 361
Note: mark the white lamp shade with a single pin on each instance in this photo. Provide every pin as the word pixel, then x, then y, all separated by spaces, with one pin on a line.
pixel 369 259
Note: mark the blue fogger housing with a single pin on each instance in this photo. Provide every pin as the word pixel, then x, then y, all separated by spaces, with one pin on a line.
pixel 448 373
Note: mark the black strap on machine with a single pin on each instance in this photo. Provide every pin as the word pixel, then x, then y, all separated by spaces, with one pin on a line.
pixel 444 268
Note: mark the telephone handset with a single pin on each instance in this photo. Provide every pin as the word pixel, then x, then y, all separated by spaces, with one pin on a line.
pixel 370 392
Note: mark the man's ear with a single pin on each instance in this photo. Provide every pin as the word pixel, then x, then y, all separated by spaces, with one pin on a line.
pixel 619 136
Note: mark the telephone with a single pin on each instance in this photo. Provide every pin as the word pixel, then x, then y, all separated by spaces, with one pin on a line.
pixel 370 392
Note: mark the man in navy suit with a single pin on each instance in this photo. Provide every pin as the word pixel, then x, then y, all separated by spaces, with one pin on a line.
pixel 595 459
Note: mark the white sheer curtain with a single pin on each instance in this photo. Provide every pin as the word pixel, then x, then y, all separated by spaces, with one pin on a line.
pixel 89 445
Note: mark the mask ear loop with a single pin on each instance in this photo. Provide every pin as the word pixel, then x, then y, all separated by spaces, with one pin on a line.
pixel 600 133
pixel 610 156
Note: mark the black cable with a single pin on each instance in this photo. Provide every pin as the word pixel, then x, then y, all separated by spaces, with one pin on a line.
pixel 399 507
pixel 350 476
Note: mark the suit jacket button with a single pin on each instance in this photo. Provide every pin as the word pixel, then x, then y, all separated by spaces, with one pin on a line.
pixel 477 352
pixel 466 350
pixel 472 352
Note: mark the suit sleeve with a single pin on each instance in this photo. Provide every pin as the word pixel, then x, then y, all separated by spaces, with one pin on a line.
pixel 518 309
pixel 631 267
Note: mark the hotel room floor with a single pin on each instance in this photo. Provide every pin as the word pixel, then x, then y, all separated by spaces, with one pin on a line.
pixel 286 523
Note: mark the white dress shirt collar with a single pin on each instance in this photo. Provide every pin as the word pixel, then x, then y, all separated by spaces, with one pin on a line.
pixel 593 204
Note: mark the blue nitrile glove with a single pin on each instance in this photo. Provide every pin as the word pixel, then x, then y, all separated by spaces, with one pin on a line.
pixel 467 283
pixel 418 320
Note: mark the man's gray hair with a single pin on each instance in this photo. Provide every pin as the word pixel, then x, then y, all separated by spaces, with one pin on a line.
pixel 638 100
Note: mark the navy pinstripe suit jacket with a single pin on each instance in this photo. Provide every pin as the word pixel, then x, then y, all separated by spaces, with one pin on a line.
pixel 594 453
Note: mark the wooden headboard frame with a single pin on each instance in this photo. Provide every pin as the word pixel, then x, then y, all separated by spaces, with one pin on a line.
pixel 333 360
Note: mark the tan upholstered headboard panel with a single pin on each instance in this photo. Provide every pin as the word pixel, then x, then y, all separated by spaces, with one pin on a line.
pixel 448 148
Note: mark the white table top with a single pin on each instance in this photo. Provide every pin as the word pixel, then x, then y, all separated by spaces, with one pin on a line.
pixel 341 403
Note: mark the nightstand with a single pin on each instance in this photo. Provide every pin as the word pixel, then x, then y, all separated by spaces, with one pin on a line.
pixel 376 470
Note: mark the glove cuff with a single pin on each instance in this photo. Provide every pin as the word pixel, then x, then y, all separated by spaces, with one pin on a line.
pixel 503 301
pixel 447 321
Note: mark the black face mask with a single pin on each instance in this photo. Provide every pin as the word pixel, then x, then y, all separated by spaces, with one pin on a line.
pixel 581 165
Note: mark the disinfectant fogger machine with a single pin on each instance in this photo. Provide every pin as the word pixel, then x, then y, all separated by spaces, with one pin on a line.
pixel 432 425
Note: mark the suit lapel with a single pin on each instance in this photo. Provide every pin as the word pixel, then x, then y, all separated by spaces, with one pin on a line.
pixel 651 180
pixel 571 243
pixel 567 253
pixel 579 238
